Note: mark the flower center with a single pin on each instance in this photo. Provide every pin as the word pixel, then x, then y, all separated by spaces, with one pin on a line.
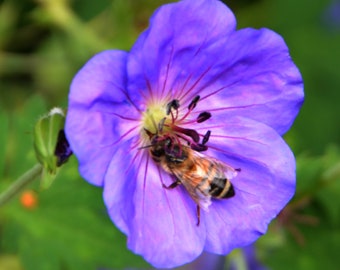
pixel 168 122
pixel 153 115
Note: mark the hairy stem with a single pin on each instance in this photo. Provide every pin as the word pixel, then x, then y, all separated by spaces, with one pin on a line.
pixel 20 183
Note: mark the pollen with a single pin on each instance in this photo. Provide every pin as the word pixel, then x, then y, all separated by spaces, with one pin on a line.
pixel 154 114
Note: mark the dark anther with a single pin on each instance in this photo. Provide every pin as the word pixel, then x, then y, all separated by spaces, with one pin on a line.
pixel 174 104
pixel 199 147
pixel 206 137
pixel 189 132
pixel 203 117
pixel 63 150
pixel 193 134
pixel 193 103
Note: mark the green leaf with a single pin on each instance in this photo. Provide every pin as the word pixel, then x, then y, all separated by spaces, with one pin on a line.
pixel 319 179
pixel 329 199
pixel 70 228
pixel 309 170
pixel 319 252
pixel 329 192
pixel 87 9
pixel 3 139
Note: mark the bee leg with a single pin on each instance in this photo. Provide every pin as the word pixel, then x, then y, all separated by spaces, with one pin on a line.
pixel 173 185
pixel 198 211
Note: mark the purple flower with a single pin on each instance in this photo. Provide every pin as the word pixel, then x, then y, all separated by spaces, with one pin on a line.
pixel 190 74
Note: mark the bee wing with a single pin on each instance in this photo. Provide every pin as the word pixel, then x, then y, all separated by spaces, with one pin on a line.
pixel 195 181
pixel 229 171
pixel 204 200
pixel 197 192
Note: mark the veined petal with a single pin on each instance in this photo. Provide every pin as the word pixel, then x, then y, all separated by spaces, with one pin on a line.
pixel 255 78
pixel 248 72
pixel 178 33
pixel 160 223
pixel 96 118
pixel 263 187
pixel 120 185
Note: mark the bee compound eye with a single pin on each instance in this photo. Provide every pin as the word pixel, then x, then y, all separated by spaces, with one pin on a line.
pixel 157 152
pixel 168 142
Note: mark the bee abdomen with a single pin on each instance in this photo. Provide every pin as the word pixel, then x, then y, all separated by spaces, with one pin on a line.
pixel 221 188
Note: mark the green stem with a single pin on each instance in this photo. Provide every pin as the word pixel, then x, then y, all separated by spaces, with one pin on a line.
pixel 20 183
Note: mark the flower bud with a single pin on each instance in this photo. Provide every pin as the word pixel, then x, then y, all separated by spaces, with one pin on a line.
pixel 50 144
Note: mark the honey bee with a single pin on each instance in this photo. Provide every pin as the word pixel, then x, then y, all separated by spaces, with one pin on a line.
pixel 202 176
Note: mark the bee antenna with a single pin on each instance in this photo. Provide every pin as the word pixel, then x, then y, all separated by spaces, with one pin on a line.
pixel 144 147
pixel 149 133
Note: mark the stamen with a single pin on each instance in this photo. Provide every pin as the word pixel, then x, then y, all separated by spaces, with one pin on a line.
pixel 193 103
pixel 191 106
pixel 189 132
pixel 174 104
pixel 199 147
pixel 171 136
pixel 203 117
pixel 206 137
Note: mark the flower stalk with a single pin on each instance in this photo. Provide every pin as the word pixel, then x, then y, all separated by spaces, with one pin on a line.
pixel 19 184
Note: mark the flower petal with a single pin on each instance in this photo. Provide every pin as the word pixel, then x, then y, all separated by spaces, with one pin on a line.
pixel 192 48
pixel 256 79
pixel 97 106
pixel 177 33
pixel 119 186
pixel 263 187
pixel 160 223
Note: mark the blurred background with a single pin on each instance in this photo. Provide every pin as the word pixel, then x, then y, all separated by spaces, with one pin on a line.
pixel 42 45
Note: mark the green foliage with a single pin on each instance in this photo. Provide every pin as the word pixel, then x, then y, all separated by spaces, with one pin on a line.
pixel 311 222
pixel 3 138
pixel 68 228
